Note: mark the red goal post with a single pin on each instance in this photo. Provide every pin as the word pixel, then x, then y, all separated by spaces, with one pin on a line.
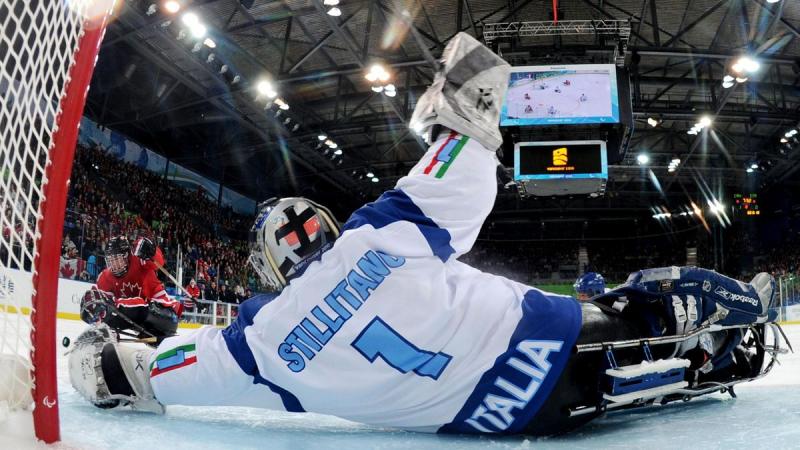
pixel 48 50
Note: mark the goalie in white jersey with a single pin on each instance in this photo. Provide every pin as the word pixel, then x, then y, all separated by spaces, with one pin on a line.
pixel 385 326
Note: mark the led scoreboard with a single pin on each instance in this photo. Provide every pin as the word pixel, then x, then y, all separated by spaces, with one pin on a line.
pixel 746 204
pixel 560 159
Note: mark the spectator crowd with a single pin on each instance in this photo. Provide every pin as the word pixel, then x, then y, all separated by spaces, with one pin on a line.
pixel 110 197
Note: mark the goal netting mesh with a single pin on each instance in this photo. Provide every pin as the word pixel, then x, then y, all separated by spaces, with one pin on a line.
pixel 47 53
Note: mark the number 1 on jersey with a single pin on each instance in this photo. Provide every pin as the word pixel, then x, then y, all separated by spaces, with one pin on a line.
pixel 379 339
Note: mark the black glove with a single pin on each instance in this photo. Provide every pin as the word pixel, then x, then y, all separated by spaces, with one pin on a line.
pixel 144 249
pixel 95 305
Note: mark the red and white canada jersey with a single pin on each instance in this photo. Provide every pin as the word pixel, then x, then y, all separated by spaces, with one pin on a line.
pixel 137 287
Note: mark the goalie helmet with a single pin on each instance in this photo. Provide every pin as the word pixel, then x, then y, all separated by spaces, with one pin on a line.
pixel 287 236
pixel 117 254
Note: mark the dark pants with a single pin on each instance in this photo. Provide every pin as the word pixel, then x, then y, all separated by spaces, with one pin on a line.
pixel 579 382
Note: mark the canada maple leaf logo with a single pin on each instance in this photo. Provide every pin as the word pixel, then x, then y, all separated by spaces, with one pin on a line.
pixel 130 290
pixel 67 271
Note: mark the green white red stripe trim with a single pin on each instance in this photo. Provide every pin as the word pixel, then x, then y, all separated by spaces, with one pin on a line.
pixel 175 358
pixel 447 153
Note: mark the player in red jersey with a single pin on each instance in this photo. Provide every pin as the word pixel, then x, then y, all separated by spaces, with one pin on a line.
pixel 128 294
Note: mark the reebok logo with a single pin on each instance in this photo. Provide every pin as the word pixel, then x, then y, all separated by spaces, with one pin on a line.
pixel 727 295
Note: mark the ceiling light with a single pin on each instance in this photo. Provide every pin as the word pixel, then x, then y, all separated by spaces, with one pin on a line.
pixel 727 84
pixel 676 161
pixel 264 87
pixel 370 174
pixel 190 19
pixel 198 30
pixel 338 152
pixel 375 179
pixel 330 2
pixel 377 88
pixel 727 78
pixel 322 137
pixel 754 166
pixel 741 79
pixel 749 170
pixel 784 140
pixel 172 6
pixel 747 64
pixel 705 121
pixel 390 93
pixel 642 158
pixel 210 43
pixel 652 122
pixel 335 12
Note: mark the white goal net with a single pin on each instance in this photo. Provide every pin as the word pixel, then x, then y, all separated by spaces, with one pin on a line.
pixel 47 53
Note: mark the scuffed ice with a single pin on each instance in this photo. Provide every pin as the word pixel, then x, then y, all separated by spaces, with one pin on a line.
pixel 766 414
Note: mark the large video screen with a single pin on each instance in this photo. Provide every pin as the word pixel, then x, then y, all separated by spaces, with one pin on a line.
pixel 561 95
pixel 560 159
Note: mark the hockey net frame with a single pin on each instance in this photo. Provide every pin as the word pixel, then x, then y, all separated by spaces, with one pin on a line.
pixel 48 50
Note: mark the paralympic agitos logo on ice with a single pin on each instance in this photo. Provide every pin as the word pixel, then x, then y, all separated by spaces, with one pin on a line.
pixel 727 295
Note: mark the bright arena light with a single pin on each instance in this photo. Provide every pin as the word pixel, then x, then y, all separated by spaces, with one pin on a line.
pixel 748 64
pixel 370 175
pixel 705 121
pixel 642 159
pixel 652 122
pixel 198 30
pixel 338 152
pixel 749 170
pixel 330 2
pixel 190 19
pixel 335 12
pixel 377 73
pixel 322 137
pixel 264 87
pixel 172 6
pixel 375 179
pixel 754 166
pixel 727 78
pixel 210 43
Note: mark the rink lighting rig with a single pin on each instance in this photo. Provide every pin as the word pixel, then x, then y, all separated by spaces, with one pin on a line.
pixel 619 30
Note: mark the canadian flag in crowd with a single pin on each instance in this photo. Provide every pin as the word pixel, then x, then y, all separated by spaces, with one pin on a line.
pixel 71 268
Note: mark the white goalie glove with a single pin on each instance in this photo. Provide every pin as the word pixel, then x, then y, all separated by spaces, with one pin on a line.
pixel 109 374
pixel 466 94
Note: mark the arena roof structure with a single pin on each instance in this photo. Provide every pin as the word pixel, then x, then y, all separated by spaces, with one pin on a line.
pixel 198 89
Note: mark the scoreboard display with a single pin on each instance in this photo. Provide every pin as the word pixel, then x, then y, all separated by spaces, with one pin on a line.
pixel 561 159
pixel 746 204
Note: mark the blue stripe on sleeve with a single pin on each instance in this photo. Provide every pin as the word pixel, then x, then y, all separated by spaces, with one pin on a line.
pixel 236 341
pixel 394 206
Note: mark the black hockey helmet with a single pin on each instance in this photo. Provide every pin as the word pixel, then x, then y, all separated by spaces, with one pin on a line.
pixel 117 254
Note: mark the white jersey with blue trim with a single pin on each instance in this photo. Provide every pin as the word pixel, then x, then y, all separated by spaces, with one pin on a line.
pixel 388 327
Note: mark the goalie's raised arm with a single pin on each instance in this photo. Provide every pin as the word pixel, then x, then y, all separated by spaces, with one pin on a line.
pixel 451 190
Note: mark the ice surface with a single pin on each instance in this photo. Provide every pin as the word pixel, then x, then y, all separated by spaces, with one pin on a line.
pixel 766 414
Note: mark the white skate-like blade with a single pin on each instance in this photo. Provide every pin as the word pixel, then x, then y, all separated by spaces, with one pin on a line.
pixel 647 393
pixel 647 367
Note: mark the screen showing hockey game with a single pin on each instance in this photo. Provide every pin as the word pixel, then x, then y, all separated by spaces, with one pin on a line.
pixel 560 159
pixel 561 95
